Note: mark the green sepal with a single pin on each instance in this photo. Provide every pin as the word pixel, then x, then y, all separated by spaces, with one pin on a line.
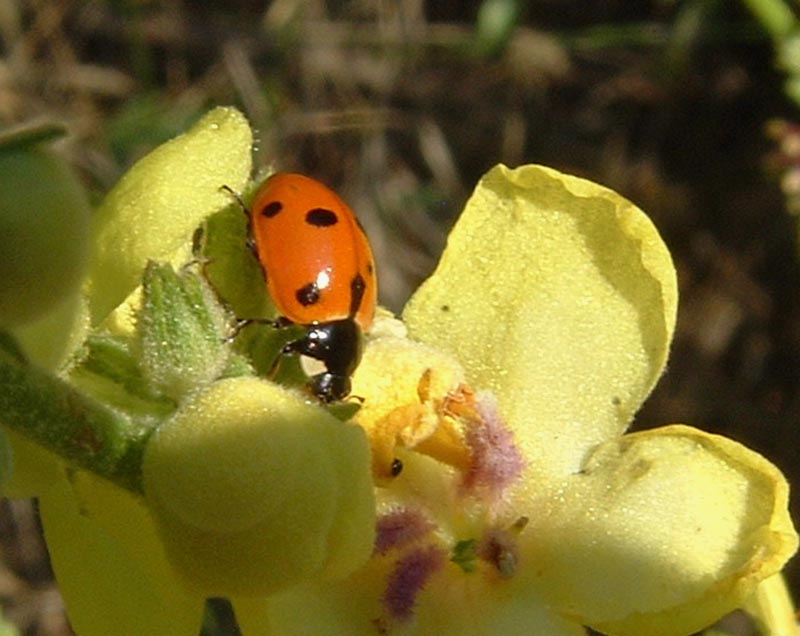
pixel 111 374
pixel 237 366
pixel 182 331
pixel 230 267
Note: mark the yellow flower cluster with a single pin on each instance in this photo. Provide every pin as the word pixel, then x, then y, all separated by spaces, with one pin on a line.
pixel 485 486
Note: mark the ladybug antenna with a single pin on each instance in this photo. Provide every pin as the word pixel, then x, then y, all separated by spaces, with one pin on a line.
pixel 236 196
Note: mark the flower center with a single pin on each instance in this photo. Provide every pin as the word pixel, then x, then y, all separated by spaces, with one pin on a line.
pixel 462 430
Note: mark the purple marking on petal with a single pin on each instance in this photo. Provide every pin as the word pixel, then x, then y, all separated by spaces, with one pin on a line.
pixel 408 578
pixel 496 459
pixel 399 528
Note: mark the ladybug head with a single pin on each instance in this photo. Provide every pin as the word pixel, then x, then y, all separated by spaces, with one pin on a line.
pixel 329 387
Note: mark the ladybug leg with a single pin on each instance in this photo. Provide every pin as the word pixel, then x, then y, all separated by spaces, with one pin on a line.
pixel 301 347
pixel 290 348
pixel 276 363
pixel 319 384
pixel 198 245
pixel 240 324
pixel 337 345
pixel 326 386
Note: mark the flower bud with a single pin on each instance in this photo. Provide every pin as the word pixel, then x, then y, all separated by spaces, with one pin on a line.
pixel 255 489
pixel 44 233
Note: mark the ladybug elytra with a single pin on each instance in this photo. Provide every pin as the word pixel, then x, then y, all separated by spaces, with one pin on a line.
pixel 320 273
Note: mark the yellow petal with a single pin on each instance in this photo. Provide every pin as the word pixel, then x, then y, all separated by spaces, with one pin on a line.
pixel 255 489
pixel 118 581
pixel 559 295
pixel 451 603
pixel 51 340
pixel 35 469
pixel 159 203
pixel 661 533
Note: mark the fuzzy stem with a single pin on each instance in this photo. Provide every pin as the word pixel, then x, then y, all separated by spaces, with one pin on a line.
pixel 60 418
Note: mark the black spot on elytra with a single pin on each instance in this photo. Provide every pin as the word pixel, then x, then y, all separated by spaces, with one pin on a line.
pixel 272 209
pixel 321 217
pixel 357 289
pixel 307 294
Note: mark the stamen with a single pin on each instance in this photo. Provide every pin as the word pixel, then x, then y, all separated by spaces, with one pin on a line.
pixel 426 427
pixel 446 445
pixel 462 429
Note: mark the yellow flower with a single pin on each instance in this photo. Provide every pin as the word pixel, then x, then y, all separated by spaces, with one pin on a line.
pixel 521 507
pixel 485 485
pixel 231 485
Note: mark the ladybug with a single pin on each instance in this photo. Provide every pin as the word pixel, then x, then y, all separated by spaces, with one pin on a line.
pixel 320 273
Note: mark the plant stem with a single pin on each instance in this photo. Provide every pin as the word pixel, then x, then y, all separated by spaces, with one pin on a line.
pixel 64 420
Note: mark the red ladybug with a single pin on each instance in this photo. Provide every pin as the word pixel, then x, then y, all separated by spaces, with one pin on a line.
pixel 320 273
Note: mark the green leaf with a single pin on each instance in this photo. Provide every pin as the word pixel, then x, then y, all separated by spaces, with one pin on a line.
pixel 496 22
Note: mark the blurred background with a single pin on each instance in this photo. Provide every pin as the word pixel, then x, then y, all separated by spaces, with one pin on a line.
pixel 685 107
